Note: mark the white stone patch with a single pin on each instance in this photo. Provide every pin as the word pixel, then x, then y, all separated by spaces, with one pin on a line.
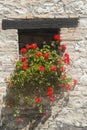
pixel 83 22
pixel 75 7
pixel 1 79
pixel 21 11
pixel 1 8
pixel 80 47
pixel 81 62
pixel 44 9
pixel 83 79
pixel 59 8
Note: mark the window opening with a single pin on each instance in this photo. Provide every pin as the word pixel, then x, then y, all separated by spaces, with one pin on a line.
pixel 39 36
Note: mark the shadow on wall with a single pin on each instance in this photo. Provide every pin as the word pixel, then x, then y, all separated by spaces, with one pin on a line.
pixel 30 118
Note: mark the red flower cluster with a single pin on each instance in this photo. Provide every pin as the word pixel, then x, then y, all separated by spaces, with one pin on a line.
pixel 38 100
pixel 23 50
pixel 52 99
pixel 46 55
pixel 63 47
pixel 41 68
pixel 34 45
pixel 23 59
pixel 38 54
pixel 28 46
pixel 50 91
pixel 66 59
pixel 25 67
pixel 75 81
pixel 50 94
pixel 25 63
pixel 31 46
pixel 68 86
pixel 53 68
pixel 57 37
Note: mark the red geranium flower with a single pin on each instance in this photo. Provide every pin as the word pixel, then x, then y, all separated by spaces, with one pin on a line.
pixel 46 55
pixel 37 100
pixel 68 86
pixel 63 47
pixel 66 58
pixel 25 67
pixel 50 89
pixel 52 99
pixel 41 68
pixel 23 50
pixel 38 54
pixel 67 61
pixel 75 81
pixel 53 68
pixel 34 46
pixel 23 59
pixel 66 55
pixel 49 93
pixel 57 37
pixel 28 46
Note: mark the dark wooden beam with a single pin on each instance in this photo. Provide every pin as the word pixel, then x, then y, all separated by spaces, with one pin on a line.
pixel 39 23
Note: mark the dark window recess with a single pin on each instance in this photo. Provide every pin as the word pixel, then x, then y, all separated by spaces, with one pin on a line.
pixel 28 36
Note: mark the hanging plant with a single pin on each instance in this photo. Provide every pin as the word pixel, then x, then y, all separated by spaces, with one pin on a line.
pixel 39 74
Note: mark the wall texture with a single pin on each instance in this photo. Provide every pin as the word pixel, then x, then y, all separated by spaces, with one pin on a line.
pixel 73 115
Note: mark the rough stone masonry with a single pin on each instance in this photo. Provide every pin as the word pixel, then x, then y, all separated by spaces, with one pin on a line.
pixel 73 116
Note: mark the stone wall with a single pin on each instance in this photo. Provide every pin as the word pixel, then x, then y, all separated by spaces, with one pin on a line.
pixel 74 115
